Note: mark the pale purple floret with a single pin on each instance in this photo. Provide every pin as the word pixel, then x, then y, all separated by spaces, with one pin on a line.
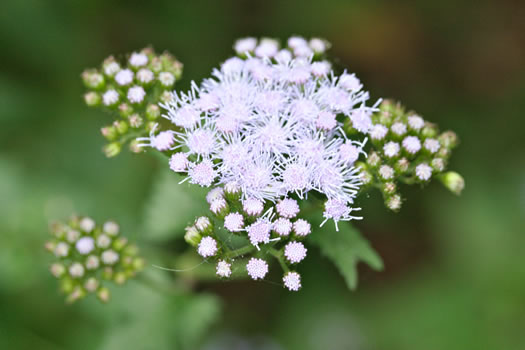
pixel 302 228
pixel 257 268
pixel 179 162
pixel 282 227
pixel 234 222
pixel 292 281
pixel 338 210
pixel 207 247
pixel 412 144
pixel 287 208
pixel 203 173
pixel 259 231
pixel 424 172
pixel 295 252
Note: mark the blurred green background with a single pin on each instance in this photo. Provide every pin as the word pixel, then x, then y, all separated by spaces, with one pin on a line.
pixel 454 273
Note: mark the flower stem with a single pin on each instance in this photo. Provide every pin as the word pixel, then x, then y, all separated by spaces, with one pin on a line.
pixel 240 251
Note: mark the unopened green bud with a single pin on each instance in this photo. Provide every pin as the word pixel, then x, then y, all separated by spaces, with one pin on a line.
pixel 103 294
pixel 125 110
pixel 135 121
pixel 93 79
pixel 134 147
pixel 152 112
pixel 121 126
pixel 57 270
pixel 76 294
pixel 149 126
pixel 232 191
pixel 67 285
pixel 394 202
pixel 138 264
pixel 438 164
pixel 448 139
pixel 166 97
pixel 109 132
pixel 119 243
pixel 92 99
pixel 389 188
pixel 107 273
pixel 112 149
pixel 429 130
pixel 192 236
pixel 156 64
pixel 402 165
pixel 453 181
pixel 120 278
pixel 373 159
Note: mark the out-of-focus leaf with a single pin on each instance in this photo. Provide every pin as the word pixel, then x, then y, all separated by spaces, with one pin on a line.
pixel 346 248
pixel 172 206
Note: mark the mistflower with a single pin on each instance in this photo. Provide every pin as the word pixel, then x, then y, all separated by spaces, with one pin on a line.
pixel 415 122
pixel 234 222
pixel 166 78
pixel 399 128
pixel 136 94
pixel 394 202
pixel 179 162
pixel 72 236
pixel 361 120
pixel 245 45
pixel 292 281
pixel 203 224
pixel 92 262
pixel 386 172
pixel 76 270
pixel 412 144
pixel 163 141
pixel 259 231
pixel 378 132
pixel 207 247
pixel 295 252
pixel 145 76
pixel 214 194
pixel 224 269
pixel 124 77
pixel 87 224
pixel 61 250
pixel 349 152
pixel 431 145
pixel 267 48
pixel 391 149
pixel 319 46
pixel 85 245
pixel 111 228
pixel 109 257
pixel 138 59
pixel 320 69
pixel 349 82
pixel 202 173
pixel 282 227
pixel 110 97
pixel 337 210
pixel 219 206
pixel 302 228
pixel 257 268
pixel 423 172
pixel 287 208
pixel 253 207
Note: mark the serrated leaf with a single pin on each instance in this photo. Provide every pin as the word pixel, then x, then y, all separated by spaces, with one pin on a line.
pixel 346 248
pixel 172 206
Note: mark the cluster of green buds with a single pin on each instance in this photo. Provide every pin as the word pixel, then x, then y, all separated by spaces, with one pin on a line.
pixel 131 91
pixel 406 149
pixel 89 255
pixel 251 229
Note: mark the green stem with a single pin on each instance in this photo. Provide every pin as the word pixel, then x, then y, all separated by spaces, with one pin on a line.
pixel 279 256
pixel 240 251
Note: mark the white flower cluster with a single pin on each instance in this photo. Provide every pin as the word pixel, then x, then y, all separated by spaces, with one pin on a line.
pixel 271 126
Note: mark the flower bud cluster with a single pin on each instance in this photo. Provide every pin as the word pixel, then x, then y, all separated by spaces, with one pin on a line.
pixel 408 149
pixel 270 230
pixel 88 255
pixel 131 91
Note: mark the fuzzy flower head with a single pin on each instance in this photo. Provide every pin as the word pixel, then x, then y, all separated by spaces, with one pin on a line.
pixel 257 268
pixel 292 281
pixel 270 121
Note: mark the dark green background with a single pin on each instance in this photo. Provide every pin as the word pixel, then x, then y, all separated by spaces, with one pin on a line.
pixel 455 267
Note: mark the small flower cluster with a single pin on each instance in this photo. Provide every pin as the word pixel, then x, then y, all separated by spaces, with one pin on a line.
pixel 268 229
pixel 407 149
pixel 272 124
pixel 131 90
pixel 87 255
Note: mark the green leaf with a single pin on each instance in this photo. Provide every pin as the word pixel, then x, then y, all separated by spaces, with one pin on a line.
pixel 172 206
pixel 346 248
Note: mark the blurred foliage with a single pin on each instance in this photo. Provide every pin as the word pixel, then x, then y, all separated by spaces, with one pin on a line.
pixel 453 276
